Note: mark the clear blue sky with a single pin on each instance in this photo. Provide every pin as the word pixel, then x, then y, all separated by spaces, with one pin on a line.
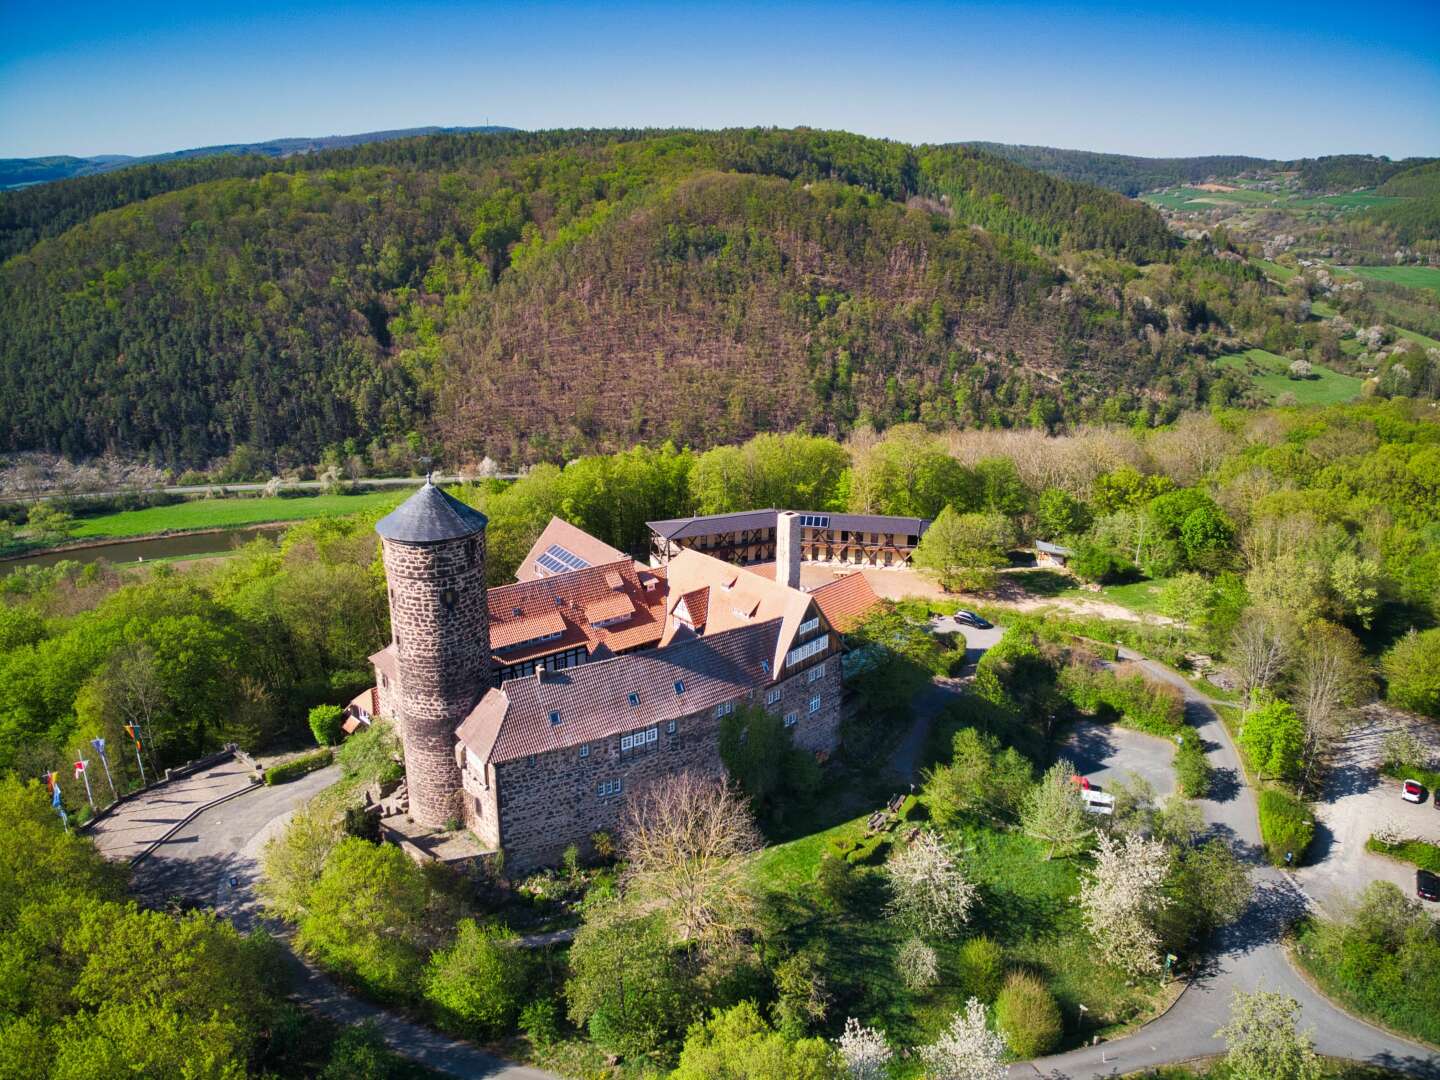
pixel 1274 80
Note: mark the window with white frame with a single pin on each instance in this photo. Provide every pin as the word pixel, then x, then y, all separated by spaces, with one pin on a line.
pixel 791 719
pixel 815 673
pixel 815 702
pixel 725 708
pixel 606 788
pixel 801 653
pixel 585 750
pixel 627 742
pixel 670 728
pixel 772 695
pixel 809 626
pixel 651 734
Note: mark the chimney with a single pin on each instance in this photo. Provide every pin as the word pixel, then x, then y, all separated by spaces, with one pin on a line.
pixel 787 549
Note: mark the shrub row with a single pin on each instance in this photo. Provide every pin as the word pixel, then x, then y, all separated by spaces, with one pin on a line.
pixel 298 767
pixel 1192 768
pixel 1423 854
pixel 1153 707
pixel 1286 825
pixel 1429 777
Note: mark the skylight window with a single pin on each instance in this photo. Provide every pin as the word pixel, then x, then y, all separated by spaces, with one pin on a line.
pixel 634 698
pixel 554 719
pixel 679 686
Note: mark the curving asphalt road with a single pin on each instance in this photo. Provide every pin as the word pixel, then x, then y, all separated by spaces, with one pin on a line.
pixel 1247 956
pixel 214 860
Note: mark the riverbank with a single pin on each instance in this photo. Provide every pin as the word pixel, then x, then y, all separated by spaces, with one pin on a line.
pixel 198 527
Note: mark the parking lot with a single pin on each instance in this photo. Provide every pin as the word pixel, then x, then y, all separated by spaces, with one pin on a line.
pixel 1105 753
pixel 1358 801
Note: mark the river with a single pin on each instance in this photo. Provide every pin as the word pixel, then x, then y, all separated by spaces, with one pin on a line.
pixel 157 547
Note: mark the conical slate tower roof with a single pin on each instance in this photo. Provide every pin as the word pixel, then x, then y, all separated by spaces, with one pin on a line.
pixel 430 516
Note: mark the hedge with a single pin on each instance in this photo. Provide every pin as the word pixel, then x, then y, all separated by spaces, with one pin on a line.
pixel 298 767
pixel 1192 768
pixel 1286 824
pixel 1423 854
pixel 1429 777
pixel 1152 707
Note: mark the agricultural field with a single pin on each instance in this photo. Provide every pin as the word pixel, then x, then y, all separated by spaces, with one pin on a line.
pixel 1268 372
pixel 229 513
pixel 1419 339
pixel 1414 277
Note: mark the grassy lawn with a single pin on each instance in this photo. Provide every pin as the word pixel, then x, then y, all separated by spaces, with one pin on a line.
pixel 1325 388
pixel 1419 339
pixel 1354 200
pixel 230 513
pixel 1138 596
pixel 1280 273
pixel 1027 905
pixel 1414 277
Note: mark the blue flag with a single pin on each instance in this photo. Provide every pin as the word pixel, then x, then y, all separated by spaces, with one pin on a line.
pixel 55 798
pixel 99 745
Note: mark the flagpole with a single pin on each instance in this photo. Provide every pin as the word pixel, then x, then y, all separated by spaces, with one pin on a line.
pixel 133 730
pixel 84 771
pixel 99 745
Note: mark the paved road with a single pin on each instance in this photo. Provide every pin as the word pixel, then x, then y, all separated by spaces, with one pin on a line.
pixel 938 696
pixel 1106 753
pixel 214 860
pixel 137 823
pixel 1248 955
pixel 200 489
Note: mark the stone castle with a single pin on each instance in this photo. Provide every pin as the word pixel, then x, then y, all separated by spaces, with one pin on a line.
pixel 529 711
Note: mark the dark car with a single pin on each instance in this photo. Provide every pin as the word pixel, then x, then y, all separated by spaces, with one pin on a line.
pixel 969 618
pixel 1427 885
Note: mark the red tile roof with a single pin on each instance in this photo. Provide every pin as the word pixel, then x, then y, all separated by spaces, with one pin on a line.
pixel 845 601
pixel 592 701
pixel 567 601
pixel 615 606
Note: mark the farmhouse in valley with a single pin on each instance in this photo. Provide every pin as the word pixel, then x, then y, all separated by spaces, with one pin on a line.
pixel 528 711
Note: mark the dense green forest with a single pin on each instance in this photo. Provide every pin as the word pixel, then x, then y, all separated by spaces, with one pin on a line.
pixel 1131 175
pixel 706 285
pixel 1124 173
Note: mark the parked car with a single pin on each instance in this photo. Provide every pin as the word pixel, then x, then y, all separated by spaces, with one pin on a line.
pixel 969 618
pixel 1413 791
pixel 1427 885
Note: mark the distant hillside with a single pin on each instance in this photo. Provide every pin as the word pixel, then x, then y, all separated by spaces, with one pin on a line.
pixel 535 295
pixel 1121 172
pixel 18 172
pixel 1133 175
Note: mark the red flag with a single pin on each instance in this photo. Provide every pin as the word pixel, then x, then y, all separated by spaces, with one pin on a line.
pixel 80 768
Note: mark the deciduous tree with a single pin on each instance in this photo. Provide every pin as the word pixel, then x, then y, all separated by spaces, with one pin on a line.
pixel 1122 897
pixel 928 887
pixel 967 1050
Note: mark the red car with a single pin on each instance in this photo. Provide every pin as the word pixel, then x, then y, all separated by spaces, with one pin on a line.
pixel 1427 885
pixel 1413 791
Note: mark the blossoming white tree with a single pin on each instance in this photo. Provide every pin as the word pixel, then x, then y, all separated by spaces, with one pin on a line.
pixel 864 1052
pixel 1121 897
pixel 1264 1042
pixel 968 1050
pixel 918 965
pixel 928 886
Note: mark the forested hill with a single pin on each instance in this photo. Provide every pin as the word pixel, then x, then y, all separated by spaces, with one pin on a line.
pixel 1132 175
pixel 533 295
pixel 19 171
pixel 1122 172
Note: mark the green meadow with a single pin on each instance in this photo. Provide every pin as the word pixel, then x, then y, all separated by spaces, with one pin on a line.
pixel 230 513
pixel 1414 277
pixel 1326 387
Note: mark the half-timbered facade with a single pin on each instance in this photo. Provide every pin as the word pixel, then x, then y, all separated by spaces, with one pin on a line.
pixel 873 540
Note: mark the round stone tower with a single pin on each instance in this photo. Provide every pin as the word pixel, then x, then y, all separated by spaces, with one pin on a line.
pixel 434 552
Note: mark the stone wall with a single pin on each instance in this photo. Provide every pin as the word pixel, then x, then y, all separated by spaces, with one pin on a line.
pixel 441 626
pixel 546 802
